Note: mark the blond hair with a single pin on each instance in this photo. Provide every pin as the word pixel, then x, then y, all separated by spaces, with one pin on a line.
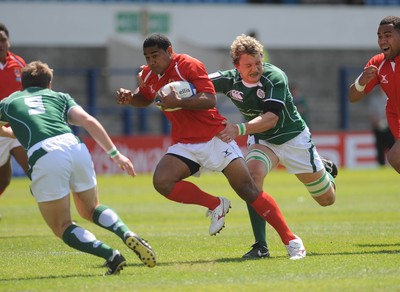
pixel 245 44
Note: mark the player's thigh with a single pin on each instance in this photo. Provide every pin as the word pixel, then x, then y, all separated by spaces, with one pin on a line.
pixel 57 214
pixel 5 162
pixel 394 152
pixel 6 144
pixel 310 176
pixel 260 160
pixel 20 156
pixel 169 170
pixel 5 174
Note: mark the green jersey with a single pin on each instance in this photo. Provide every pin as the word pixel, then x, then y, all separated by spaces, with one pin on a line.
pixel 252 100
pixel 36 114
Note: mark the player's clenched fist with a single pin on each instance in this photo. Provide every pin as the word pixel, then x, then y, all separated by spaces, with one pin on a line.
pixel 368 74
pixel 123 96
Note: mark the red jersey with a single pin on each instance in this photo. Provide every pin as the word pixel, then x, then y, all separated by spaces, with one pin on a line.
pixel 10 75
pixel 188 126
pixel 388 78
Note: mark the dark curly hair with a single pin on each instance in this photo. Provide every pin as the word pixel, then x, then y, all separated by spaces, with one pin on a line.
pixel 394 20
pixel 4 28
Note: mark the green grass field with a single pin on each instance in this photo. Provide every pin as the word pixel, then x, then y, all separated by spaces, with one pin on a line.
pixel 351 246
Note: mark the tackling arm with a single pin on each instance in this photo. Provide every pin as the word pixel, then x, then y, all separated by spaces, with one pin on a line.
pixel 259 124
pixel 272 110
pixel 79 117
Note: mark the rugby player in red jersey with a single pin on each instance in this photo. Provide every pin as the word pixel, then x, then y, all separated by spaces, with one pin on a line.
pixel 384 69
pixel 195 145
pixel 10 81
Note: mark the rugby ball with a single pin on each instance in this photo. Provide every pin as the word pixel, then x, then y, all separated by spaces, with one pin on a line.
pixel 183 89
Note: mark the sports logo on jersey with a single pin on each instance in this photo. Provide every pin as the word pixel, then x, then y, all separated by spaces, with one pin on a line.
pixel 383 79
pixel 260 93
pixel 17 73
pixel 235 94
pixel 151 89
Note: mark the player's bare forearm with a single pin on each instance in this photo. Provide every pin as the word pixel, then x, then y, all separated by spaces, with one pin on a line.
pixel 126 97
pixel 356 91
pixel 259 124
pixel 6 132
pixel 355 95
pixel 99 134
pixel 199 101
pixel 79 117
pixel 262 123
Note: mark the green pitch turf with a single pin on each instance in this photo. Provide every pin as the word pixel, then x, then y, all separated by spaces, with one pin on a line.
pixel 353 245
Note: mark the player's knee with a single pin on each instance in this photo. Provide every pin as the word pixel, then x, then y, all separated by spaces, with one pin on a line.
pixel 4 183
pixel 257 177
pixel 322 190
pixel 326 201
pixel 162 185
pixel 59 229
pixel 394 159
pixel 248 191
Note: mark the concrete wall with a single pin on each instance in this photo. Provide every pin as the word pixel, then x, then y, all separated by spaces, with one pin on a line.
pixel 280 26
pixel 310 43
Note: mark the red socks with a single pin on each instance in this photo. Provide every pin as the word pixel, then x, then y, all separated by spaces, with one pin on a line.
pixel 188 193
pixel 267 208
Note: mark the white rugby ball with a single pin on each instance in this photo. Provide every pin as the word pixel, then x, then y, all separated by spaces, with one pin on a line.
pixel 183 89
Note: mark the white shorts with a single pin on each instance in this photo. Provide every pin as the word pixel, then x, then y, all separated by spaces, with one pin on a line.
pixel 213 155
pixel 59 171
pixel 298 155
pixel 6 145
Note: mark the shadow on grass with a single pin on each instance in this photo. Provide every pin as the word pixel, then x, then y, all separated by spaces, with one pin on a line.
pixel 221 260
pixel 49 277
pixel 25 236
pixel 378 245
pixel 310 254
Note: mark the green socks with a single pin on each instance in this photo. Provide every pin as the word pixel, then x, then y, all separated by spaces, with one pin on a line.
pixel 85 241
pixel 258 224
pixel 107 218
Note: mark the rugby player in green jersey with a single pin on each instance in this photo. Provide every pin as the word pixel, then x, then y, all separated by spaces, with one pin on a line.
pixel 195 143
pixel 59 162
pixel 277 134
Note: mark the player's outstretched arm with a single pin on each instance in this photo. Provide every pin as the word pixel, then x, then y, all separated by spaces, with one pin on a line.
pixel 79 117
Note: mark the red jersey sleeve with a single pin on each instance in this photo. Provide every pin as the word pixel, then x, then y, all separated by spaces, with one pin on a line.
pixel 197 74
pixel 10 75
pixel 376 61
